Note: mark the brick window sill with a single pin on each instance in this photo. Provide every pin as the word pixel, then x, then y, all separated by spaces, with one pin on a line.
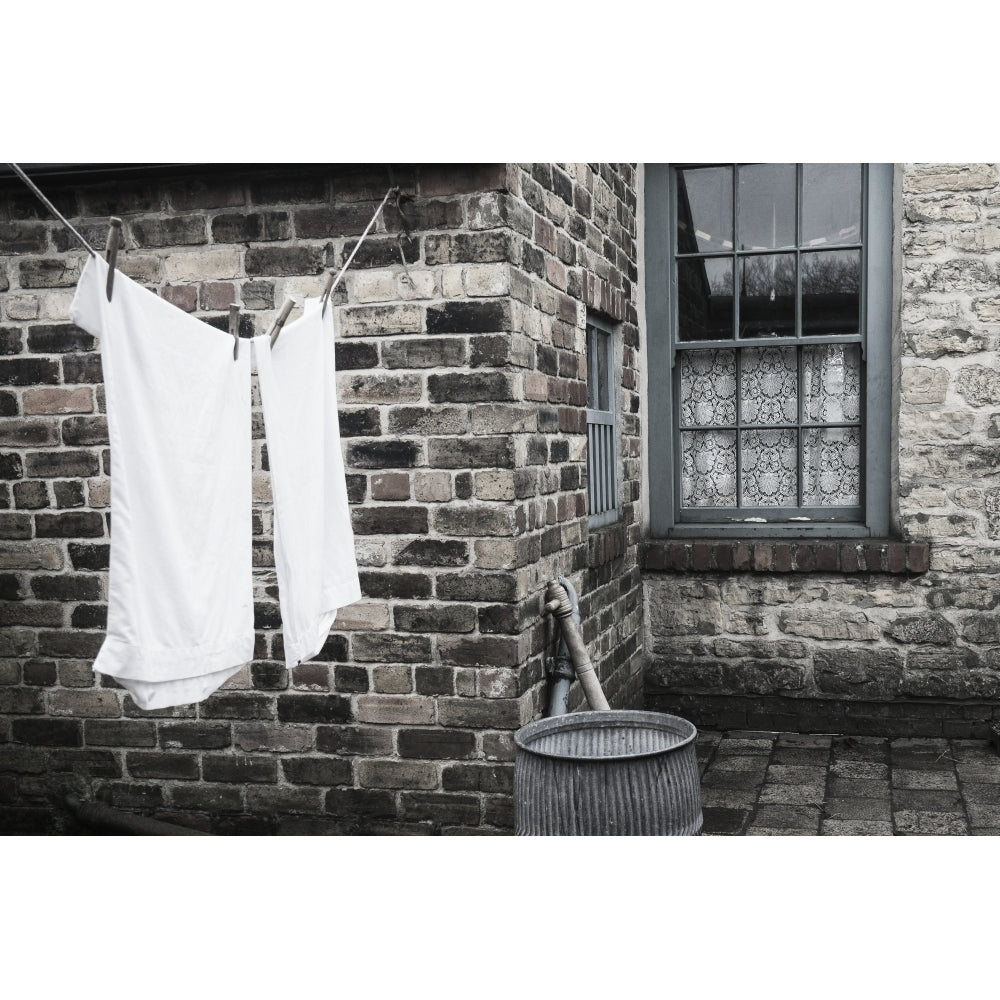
pixel 820 556
pixel 604 545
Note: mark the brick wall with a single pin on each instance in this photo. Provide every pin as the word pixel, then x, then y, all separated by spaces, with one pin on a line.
pixel 462 388
pixel 873 644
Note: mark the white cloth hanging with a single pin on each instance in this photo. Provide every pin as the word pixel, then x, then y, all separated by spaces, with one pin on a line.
pixel 313 540
pixel 180 607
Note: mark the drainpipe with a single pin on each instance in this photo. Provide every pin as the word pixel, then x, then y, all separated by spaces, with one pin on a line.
pixel 571 658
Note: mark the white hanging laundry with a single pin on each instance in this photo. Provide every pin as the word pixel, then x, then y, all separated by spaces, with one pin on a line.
pixel 180 608
pixel 313 540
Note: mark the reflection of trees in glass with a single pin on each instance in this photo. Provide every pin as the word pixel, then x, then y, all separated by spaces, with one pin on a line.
pixel 720 282
pixel 830 273
pixel 764 275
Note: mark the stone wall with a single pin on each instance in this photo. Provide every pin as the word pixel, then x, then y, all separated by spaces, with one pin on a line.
pixel 873 645
pixel 462 394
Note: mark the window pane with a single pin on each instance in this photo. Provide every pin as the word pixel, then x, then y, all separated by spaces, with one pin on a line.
pixel 831 203
pixel 831 383
pixel 769 386
pixel 591 368
pixel 831 299
pixel 708 469
pixel 770 461
pixel 767 295
pixel 705 299
pixel 704 209
pixel 767 206
pixel 601 342
pixel 831 473
pixel 708 388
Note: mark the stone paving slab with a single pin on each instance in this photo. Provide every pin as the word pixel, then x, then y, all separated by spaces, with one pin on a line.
pixel 978 773
pixel 729 798
pixel 927 799
pixel 856 828
pixel 907 778
pixel 983 814
pixel 784 784
pixel 787 817
pixel 802 795
pixel 859 769
pixel 724 822
pixel 791 774
pixel 923 762
pixel 800 756
pixel 718 778
pixel 858 788
pixel 930 823
pixel 858 809
pixel 981 793
pixel 739 762
pixel 763 831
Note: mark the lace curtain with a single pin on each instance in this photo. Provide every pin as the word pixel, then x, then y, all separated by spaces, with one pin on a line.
pixel 761 437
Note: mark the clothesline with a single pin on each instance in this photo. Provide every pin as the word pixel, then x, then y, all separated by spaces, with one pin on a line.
pixel 331 281
pixel 52 208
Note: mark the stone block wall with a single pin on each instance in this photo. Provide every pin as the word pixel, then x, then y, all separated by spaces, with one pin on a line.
pixel 461 374
pixel 893 639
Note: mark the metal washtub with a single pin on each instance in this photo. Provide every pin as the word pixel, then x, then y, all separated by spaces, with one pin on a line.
pixel 607 773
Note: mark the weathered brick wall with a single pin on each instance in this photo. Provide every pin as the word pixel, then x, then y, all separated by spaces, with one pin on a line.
pixel 461 393
pixel 574 233
pixel 858 639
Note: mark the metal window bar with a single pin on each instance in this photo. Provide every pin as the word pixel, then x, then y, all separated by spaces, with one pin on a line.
pixel 602 450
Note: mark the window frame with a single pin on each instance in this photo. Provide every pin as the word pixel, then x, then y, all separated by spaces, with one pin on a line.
pixel 602 418
pixel 876 356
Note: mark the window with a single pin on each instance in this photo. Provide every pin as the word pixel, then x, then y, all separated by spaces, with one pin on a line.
pixel 768 292
pixel 602 447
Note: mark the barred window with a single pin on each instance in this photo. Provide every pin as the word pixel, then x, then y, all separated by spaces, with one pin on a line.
pixel 602 447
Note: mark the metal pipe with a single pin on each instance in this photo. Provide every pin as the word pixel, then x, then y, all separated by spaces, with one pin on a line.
pixel 567 611
pixel 112 820
pixel 561 667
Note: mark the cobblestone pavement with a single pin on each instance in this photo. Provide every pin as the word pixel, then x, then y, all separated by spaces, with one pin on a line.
pixel 786 784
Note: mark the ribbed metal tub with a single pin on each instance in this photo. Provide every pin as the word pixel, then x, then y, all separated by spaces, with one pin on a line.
pixel 607 774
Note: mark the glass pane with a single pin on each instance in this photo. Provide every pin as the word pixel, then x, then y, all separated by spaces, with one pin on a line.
pixel 708 388
pixel 767 295
pixel 831 203
pixel 831 383
pixel 770 477
pixel 769 386
pixel 704 209
pixel 708 469
pixel 601 342
pixel 591 368
pixel 705 299
pixel 831 472
pixel 831 299
pixel 767 206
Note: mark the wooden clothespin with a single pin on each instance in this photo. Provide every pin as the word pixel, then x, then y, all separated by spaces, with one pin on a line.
pixel 234 329
pixel 280 321
pixel 111 253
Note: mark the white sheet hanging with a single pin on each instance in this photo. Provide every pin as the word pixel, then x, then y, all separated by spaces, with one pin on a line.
pixel 180 609
pixel 313 540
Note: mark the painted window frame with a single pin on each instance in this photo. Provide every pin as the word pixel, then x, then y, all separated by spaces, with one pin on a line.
pixel 876 347
pixel 603 481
